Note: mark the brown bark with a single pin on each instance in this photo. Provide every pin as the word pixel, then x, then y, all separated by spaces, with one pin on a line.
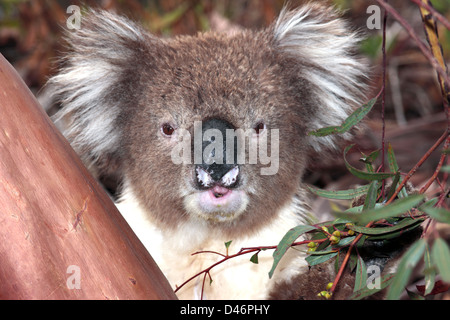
pixel 54 215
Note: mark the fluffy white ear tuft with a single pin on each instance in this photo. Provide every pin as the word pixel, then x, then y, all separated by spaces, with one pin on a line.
pixel 91 85
pixel 325 46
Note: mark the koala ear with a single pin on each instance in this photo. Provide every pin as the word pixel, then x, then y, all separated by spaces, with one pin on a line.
pixel 99 74
pixel 324 48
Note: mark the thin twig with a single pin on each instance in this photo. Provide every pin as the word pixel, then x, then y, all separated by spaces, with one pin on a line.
pixel 241 252
pixel 416 38
pixel 346 258
pixel 438 168
pixel 383 103
pixel 435 13
pixel 414 169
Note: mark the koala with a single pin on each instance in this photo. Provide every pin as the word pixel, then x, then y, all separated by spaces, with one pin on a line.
pixel 158 113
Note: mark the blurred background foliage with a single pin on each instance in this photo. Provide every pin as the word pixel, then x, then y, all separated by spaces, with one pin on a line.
pixel 30 38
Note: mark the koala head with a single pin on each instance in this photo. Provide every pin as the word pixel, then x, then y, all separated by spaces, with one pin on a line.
pixel 212 127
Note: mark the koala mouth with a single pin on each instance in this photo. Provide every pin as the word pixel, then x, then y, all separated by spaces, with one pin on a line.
pixel 218 196
pixel 220 203
pixel 219 192
pixel 217 201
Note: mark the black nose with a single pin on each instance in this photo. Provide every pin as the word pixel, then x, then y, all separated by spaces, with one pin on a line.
pixel 218 157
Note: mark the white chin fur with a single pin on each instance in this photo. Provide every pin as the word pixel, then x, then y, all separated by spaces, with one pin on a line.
pixel 227 208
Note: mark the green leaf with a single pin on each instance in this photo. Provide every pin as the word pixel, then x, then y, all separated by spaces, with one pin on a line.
pixel 394 186
pixel 372 194
pixel 286 242
pixel 227 244
pixel 341 194
pixel 368 160
pixel 394 209
pixel 440 253
pixel 351 121
pixel 371 157
pixel 362 174
pixel 357 209
pixel 393 166
pixel 406 222
pixel 439 214
pixel 395 234
pixel 429 272
pixel 318 259
pixel 405 268
pixel 322 132
pixel 322 252
pixel 254 258
pixel 344 242
pixel 361 275
pixel 445 169
pixel 365 292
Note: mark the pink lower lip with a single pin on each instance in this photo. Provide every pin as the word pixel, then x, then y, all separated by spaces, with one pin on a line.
pixel 219 194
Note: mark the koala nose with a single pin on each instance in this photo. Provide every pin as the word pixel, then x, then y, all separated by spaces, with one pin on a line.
pixel 216 167
pixel 227 180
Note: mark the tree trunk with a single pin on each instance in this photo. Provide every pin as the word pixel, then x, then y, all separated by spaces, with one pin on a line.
pixel 61 237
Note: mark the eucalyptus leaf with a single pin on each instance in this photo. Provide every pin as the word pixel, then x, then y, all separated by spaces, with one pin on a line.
pixel 366 292
pixel 318 259
pixel 362 174
pixel 405 268
pixel 393 185
pixel 368 160
pixel 371 157
pixel 344 242
pixel 439 214
pixel 286 242
pixel 392 161
pixel 393 166
pixel 406 222
pixel 341 194
pixel 440 253
pixel 350 122
pixel 394 209
pixel 395 234
pixel 357 209
pixel 322 252
pixel 372 194
pixel 361 275
pixel 228 243
pixel 254 258
pixel 429 272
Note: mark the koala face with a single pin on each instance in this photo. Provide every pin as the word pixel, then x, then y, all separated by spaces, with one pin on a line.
pixel 228 85
pixel 211 128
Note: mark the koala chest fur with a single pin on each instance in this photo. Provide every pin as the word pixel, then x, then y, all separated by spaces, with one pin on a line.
pixel 208 135
pixel 237 278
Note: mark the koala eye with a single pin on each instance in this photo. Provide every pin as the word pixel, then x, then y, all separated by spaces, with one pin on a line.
pixel 167 129
pixel 259 128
